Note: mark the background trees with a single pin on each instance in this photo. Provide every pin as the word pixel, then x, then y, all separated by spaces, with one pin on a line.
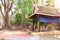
pixel 22 10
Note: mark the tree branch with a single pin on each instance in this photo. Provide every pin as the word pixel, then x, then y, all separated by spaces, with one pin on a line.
pixel 8 3
pixel 2 2
pixel 1 9
pixel 2 14
pixel 10 6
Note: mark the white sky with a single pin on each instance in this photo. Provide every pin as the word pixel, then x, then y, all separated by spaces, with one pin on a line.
pixel 57 3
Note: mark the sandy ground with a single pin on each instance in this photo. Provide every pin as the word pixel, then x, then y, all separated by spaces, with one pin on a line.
pixel 18 34
pixel 46 33
pixel 6 32
pixel 14 35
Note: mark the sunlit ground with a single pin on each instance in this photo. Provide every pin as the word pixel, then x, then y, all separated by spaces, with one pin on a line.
pixel 18 34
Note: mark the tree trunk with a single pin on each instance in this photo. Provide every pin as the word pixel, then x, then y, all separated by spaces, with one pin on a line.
pixel 7 22
pixel 7 8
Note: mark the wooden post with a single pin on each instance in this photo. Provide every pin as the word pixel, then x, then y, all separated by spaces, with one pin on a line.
pixel 33 25
pixel 38 23
pixel 59 24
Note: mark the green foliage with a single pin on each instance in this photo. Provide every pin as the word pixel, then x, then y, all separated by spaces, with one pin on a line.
pixel 11 1
pixel 23 8
pixel 36 22
pixel 0 7
pixel 13 22
pixel 18 18
pixel 26 20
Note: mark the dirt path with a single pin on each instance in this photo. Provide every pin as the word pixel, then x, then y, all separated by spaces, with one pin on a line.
pixel 17 34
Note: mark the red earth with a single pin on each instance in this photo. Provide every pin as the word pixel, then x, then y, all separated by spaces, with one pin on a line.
pixel 15 36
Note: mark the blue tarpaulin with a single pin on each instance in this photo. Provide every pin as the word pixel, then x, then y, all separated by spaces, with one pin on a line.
pixel 49 19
